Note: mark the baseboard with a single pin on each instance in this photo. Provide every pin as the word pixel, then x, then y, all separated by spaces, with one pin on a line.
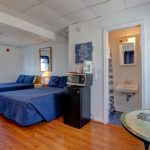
pixel 99 120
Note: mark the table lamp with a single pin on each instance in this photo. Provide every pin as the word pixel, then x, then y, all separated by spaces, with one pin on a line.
pixel 46 76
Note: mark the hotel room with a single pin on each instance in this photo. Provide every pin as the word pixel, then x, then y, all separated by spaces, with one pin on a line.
pixel 74 74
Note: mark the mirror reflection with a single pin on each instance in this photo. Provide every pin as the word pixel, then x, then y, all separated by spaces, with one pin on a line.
pixel 45 59
pixel 127 51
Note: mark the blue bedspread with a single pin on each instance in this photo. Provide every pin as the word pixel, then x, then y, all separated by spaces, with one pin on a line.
pixel 28 107
pixel 14 86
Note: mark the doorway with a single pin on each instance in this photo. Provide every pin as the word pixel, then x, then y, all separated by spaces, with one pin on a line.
pixel 122 66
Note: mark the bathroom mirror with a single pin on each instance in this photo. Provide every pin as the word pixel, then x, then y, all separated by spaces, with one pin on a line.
pixel 45 59
pixel 127 51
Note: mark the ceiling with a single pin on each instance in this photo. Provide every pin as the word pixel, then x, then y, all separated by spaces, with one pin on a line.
pixel 56 15
pixel 12 36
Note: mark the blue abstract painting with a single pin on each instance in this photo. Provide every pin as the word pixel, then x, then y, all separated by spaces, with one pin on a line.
pixel 83 52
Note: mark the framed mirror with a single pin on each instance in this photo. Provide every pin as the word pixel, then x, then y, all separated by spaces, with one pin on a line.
pixel 127 51
pixel 45 59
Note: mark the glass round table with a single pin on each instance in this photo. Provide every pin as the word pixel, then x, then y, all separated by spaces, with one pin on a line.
pixel 137 123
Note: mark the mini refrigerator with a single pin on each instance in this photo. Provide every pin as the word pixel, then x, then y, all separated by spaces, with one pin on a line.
pixel 77 106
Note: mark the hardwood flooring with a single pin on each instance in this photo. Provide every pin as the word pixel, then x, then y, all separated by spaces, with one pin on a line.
pixel 57 136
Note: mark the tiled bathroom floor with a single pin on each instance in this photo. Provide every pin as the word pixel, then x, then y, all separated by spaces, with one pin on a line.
pixel 114 118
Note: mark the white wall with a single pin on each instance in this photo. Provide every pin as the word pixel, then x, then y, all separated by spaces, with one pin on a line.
pixel 10 64
pixel 90 34
pixel 31 63
pixel 93 31
pixel 126 72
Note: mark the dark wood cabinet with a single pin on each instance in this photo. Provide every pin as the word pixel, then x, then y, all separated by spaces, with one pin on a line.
pixel 77 106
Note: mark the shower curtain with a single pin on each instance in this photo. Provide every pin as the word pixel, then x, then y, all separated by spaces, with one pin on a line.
pixel 111 88
pixel 129 57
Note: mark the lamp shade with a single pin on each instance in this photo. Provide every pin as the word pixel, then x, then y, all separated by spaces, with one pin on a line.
pixel 46 74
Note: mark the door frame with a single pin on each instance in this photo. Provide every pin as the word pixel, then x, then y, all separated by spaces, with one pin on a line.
pixel 105 62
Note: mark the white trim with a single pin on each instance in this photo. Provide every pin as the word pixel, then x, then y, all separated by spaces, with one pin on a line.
pixel 105 56
pixel 143 64
pixel 106 86
pixel 98 120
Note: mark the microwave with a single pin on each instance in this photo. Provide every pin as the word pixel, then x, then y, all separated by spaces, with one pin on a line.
pixel 79 79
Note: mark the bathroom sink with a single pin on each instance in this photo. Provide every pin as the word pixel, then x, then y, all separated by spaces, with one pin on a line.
pixel 126 88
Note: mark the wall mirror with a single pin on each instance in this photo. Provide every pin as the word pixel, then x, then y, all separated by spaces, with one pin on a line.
pixel 127 51
pixel 45 59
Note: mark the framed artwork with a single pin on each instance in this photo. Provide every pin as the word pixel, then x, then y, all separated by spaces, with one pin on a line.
pixel 83 52
pixel 87 66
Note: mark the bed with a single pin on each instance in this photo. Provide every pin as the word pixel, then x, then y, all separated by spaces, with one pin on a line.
pixel 27 107
pixel 23 82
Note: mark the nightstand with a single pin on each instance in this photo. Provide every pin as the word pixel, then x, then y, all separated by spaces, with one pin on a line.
pixel 45 85
pixel 38 85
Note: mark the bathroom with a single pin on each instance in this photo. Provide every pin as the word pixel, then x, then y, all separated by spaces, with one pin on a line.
pixel 124 72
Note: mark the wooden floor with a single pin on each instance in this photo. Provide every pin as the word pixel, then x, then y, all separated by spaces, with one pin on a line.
pixel 57 136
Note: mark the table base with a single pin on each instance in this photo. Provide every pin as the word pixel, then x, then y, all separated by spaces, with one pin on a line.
pixel 146 144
